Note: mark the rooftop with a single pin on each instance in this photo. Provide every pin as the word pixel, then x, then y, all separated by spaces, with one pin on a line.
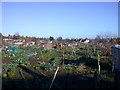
pixel 116 46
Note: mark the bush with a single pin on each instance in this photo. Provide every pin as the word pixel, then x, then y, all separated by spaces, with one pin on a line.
pixel 11 73
pixel 56 61
pixel 48 66
pixel 48 55
pixel 70 67
pixel 10 66
pixel 21 58
pixel 107 78
pixel 4 75
pixel 81 67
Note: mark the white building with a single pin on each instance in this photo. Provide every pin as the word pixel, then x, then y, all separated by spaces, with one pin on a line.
pixel 30 43
pixel 86 41
pixel 18 43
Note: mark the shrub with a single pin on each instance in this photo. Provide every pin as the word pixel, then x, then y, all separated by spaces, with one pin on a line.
pixel 4 75
pixel 11 73
pixel 48 66
pixel 81 67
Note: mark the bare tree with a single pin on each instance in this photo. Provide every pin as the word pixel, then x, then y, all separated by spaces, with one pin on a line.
pixel 106 40
pixel 106 35
pixel 16 35
pixel 98 37
pixel 59 39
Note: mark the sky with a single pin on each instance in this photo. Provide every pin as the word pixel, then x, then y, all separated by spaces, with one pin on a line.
pixel 119 19
pixel 65 19
pixel 0 17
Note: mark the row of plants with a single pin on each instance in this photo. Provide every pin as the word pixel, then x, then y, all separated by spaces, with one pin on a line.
pixel 22 58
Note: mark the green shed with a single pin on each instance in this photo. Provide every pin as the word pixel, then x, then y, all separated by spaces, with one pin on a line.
pixel 14 49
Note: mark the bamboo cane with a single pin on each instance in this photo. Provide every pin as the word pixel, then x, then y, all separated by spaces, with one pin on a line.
pixel 54 77
pixel 98 64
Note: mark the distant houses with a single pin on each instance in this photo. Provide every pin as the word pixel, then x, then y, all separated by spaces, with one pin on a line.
pixel 18 42
pixel 42 42
pixel 31 43
pixel 48 46
pixel 85 40
pixel 45 44
pixel 81 40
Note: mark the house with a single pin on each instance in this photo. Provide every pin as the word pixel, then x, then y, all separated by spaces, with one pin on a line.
pixel 19 40
pixel 7 39
pixel 48 46
pixel 85 40
pixel 18 43
pixel 65 44
pixel 12 42
pixel 31 43
pixel 45 44
pixel 42 43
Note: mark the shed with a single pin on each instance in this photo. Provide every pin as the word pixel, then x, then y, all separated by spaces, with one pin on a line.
pixel 116 61
pixel 116 56
pixel 14 49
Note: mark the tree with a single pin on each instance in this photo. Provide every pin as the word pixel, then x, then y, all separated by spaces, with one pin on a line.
pixel 59 39
pixel 0 35
pixel 16 35
pixel 106 35
pixel 1 38
pixel 9 36
pixel 98 37
pixel 51 38
pixel 106 40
